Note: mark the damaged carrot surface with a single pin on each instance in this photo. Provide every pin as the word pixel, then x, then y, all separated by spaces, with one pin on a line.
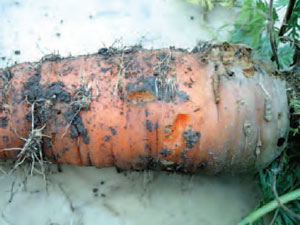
pixel 215 109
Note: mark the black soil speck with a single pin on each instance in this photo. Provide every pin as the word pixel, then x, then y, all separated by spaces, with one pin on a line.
pixel 107 52
pixel 104 70
pixel 191 137
pixel 119 170
pixel 64 150
pixel 74 132
pixel 164 152
pixel 107 138
pixel 202 165
pixel 182 153
pixel 146 112
pixel 5 138
pixel 161 56
pixel 113 131
pixel 77 126
pixel 95 192
pixel 17 52
pixel 3 121
pixel 149 125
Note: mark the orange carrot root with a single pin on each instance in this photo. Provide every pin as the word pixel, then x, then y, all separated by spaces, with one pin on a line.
pixel 211 111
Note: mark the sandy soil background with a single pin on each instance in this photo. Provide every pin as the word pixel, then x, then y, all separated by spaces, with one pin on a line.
pixel 87 196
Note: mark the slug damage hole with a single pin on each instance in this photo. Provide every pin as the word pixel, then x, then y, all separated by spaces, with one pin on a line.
pixel 280 142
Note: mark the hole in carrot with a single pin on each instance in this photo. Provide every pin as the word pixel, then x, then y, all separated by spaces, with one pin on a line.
pixel 137 97
pixel 280 141
pixel 279 116
pixel 180 123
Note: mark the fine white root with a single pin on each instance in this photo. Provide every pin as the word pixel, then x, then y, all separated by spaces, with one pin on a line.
pixel 32 150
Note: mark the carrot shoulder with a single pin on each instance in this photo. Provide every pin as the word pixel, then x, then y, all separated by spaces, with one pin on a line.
pixel 217 110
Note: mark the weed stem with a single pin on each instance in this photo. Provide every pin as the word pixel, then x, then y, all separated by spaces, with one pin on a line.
pixel 255 215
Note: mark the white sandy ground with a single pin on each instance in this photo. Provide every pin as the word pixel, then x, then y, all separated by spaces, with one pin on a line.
pixel 90 196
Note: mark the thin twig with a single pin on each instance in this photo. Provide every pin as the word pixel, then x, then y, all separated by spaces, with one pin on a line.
pixel 288 14
pixel 9 149
pixel 161 81
pixel 123 66
pixel 121 72
pixel 12 193
pixel 271 33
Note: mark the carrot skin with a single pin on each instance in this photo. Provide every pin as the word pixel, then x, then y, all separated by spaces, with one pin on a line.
pixel 212 111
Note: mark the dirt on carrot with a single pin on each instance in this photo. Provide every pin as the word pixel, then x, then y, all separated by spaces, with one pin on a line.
pixel 214 109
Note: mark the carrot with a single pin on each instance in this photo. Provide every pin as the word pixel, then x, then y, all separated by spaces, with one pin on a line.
pixel 215 109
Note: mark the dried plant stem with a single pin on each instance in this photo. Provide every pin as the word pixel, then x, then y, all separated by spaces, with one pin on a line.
pixel 287 17
pixel 271 33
